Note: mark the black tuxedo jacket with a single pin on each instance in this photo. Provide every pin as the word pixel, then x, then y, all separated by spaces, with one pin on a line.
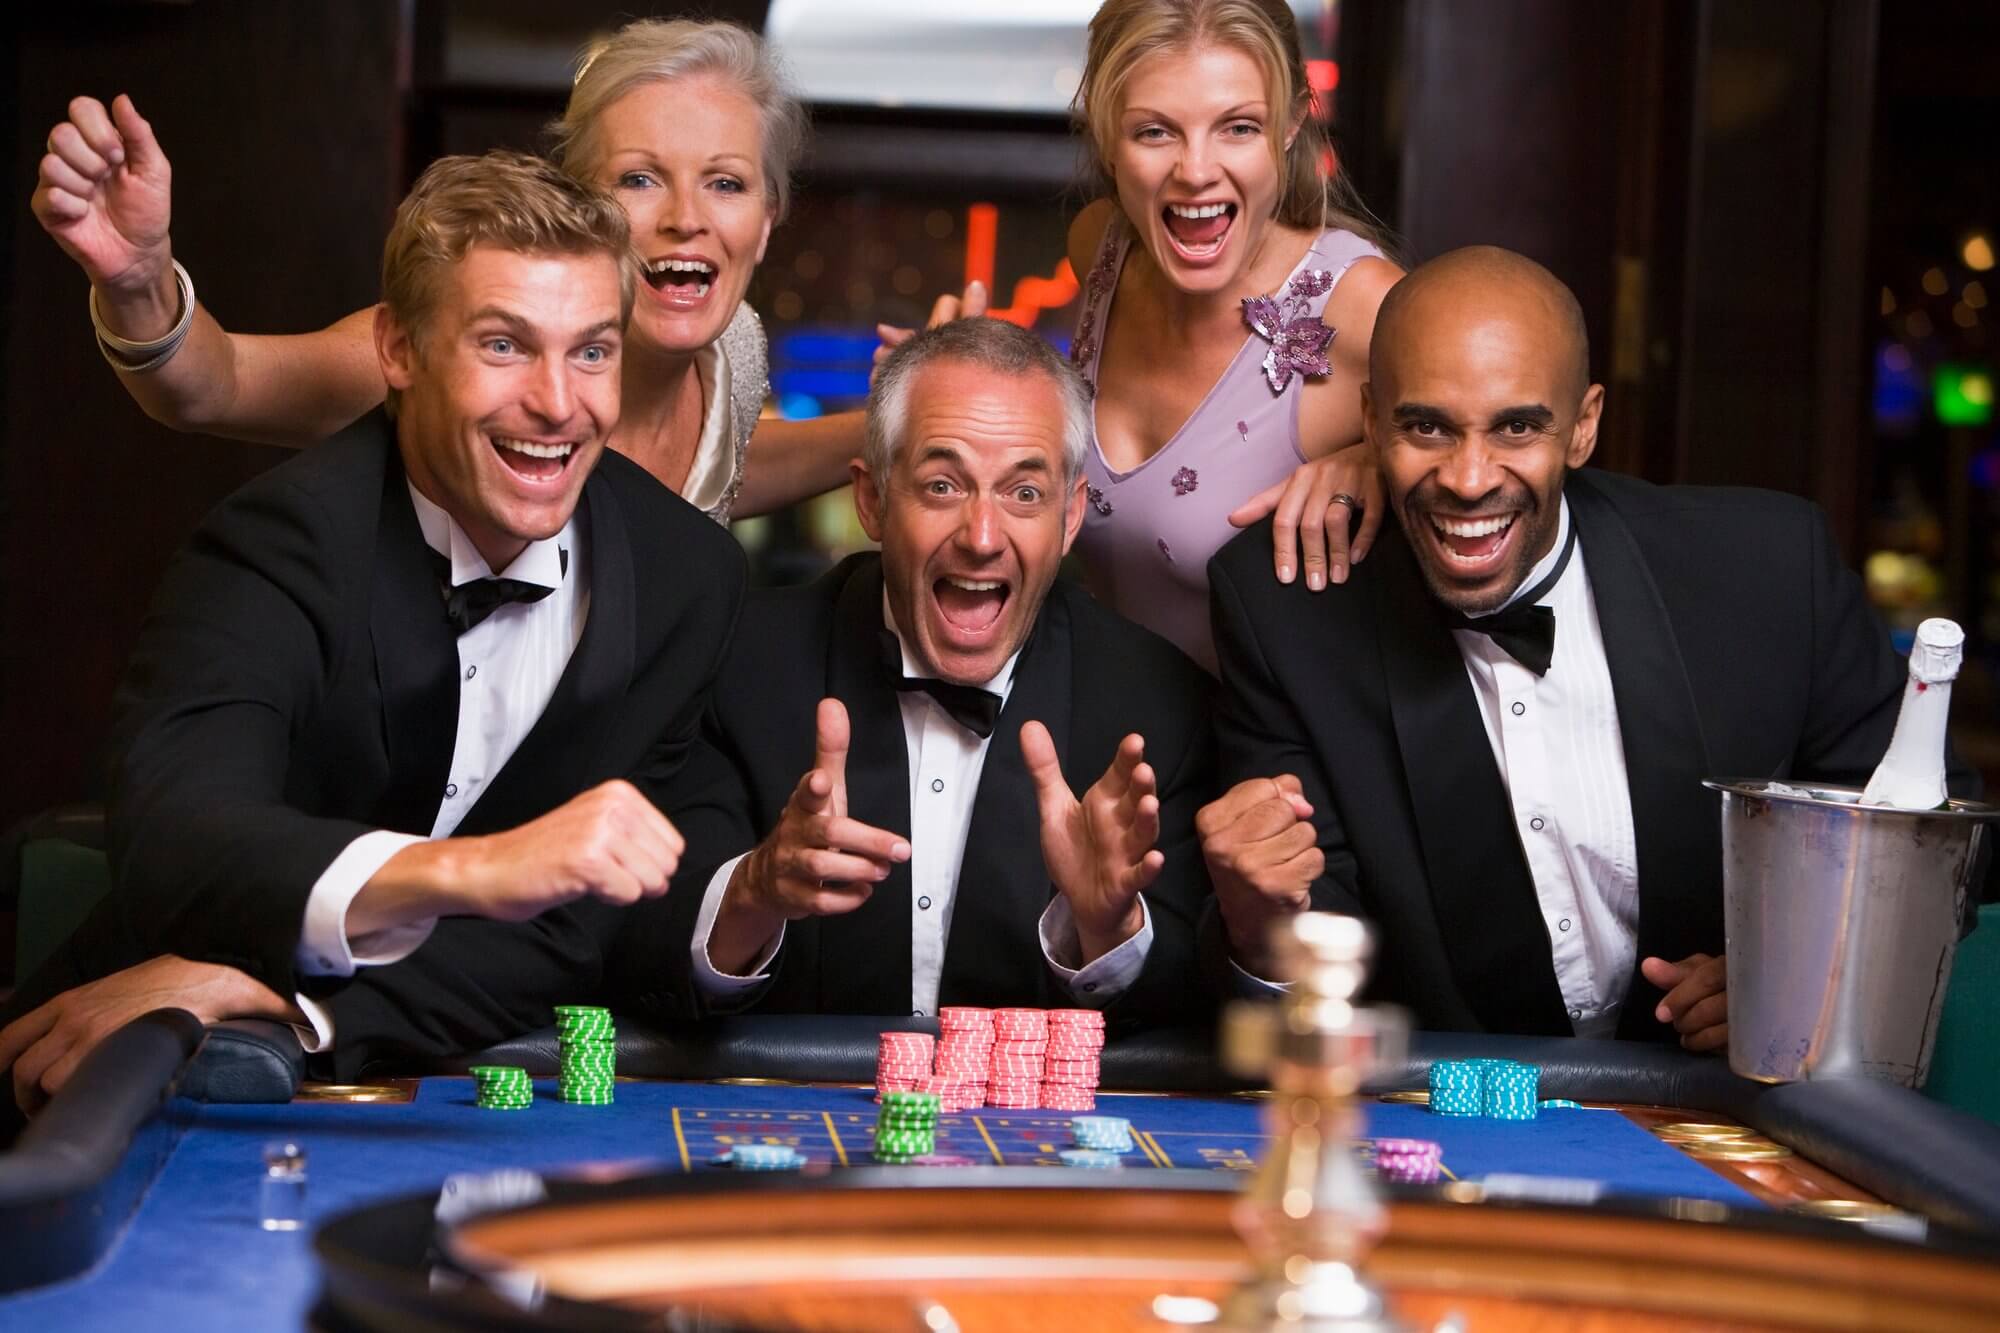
pixel 296 685
pixel 1739 646
pixel 1088 675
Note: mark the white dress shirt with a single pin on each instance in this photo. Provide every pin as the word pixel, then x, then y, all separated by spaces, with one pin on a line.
pixel 1561 756
pixel 945 761
pixel 508 668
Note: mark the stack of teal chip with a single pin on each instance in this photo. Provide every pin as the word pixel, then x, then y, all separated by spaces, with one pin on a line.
pixel 504 1088
pixel 1495 1089
pixel 589 1054
pixel 1456 1088
pixel 1511 1090
pixel 1103 1133
pixel 1093 1159
pixel 906 1128
pixel 765 1157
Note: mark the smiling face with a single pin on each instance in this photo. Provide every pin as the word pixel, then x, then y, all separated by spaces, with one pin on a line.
pixel 973 517
pixel 508 392
pixel 685 160
pixel 1476 407
pixel 1194 163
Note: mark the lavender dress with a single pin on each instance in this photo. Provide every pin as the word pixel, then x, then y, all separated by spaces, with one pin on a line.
pixel 1148 533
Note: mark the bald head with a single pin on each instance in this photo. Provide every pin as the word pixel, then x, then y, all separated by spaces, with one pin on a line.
pixel 1481 283
pixel 1478 403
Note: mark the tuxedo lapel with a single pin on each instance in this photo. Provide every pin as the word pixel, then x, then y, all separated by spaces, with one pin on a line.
pixel 1480 888
pixel 416 660
pixel 1675 821
pixel 560 750
pixel 864 955
pixel 1003 886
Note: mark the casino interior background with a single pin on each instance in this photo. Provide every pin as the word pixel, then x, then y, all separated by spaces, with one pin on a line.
pixel 1781 220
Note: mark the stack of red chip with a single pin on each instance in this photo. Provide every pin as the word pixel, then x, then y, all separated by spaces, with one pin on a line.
pixel 964 1055
pixel 902 1062
pixel 1020 1040
pixel 1070 1068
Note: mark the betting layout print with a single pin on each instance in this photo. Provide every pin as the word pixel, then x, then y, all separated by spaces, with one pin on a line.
pixel 844 1135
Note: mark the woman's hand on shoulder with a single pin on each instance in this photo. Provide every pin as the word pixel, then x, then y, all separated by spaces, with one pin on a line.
pixel 1325 516
pixel 943 311
pixel 105 193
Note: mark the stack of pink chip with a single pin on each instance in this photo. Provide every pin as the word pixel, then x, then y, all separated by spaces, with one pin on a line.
pixel 964 1056
pixel 1410 1161
pixel 1070 1066
pixel 902 1062
pixel 1020 1040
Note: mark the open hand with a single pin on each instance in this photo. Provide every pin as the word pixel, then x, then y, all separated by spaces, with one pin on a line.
pixel 1697 999
pixel 1099 850
pixel 46 1045
pixel 1310 524
pixel 105 193
pixel 1263 856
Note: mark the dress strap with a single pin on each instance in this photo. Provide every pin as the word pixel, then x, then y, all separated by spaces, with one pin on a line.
pixel 1087 347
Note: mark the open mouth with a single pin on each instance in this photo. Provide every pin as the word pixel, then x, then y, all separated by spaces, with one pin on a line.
pixel 681 279
pixel 1198 230
pixel 534 460
pixel 1471 543
pixel 970 607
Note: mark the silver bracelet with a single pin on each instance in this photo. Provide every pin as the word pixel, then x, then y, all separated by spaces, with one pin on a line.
pixel 138 357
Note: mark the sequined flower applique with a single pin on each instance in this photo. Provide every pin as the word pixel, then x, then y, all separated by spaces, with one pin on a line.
pixel 1185 481
pixel 1097 500
pixel 1299 339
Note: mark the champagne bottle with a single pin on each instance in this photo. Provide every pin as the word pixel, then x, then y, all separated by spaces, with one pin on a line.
pixel 1911 775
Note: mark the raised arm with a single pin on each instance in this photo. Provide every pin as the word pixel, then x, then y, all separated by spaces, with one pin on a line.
pixel 104 193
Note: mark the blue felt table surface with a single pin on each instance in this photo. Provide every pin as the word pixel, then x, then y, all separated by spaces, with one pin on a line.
pixel 195 1257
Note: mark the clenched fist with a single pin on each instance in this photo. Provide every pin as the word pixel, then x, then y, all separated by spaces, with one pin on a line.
pixel 1263 856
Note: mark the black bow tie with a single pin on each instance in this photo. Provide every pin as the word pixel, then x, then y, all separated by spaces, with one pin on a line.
pixel 469 603
pixel 1524 630
pixel 971 707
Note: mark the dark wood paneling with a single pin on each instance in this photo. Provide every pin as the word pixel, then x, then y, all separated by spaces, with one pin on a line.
pixel 282 119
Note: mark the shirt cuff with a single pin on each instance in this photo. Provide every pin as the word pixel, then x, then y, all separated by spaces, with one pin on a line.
pixel 714 984
pixel 1104 979
pixel 324 949
pixel 1250 986
pixel 316 1033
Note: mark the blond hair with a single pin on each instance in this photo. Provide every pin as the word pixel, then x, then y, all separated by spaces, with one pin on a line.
pixel 511 201
pixel 1313 192
pixel 662 51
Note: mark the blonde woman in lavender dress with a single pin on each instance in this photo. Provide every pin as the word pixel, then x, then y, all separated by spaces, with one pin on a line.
pixel 1228 298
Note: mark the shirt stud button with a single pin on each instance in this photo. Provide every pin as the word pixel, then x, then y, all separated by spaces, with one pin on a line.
pixel 937 784
pixel 451 789
pixel 1563 924
pixel 471 671
pixel 924 903
pixel 1536 823
pixel 1519 709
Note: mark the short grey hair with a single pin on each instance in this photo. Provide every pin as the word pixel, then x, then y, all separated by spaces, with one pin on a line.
pixel 663 51
pixel 992 345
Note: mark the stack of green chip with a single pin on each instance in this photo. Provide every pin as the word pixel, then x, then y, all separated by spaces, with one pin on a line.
pixel 906 1129
pixel 589 1054
pixel 504 1087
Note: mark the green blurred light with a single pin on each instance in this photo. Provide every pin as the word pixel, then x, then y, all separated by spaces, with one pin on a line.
pixel 1962 395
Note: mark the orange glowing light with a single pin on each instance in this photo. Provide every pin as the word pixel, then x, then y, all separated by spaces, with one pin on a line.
pixel 1033 295
pixel 982 239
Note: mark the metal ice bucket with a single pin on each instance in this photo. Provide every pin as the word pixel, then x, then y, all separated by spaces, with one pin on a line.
pixel 1842 921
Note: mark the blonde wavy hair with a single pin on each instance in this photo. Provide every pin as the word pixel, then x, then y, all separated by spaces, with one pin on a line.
pixel 1125 33
pixel 662 51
